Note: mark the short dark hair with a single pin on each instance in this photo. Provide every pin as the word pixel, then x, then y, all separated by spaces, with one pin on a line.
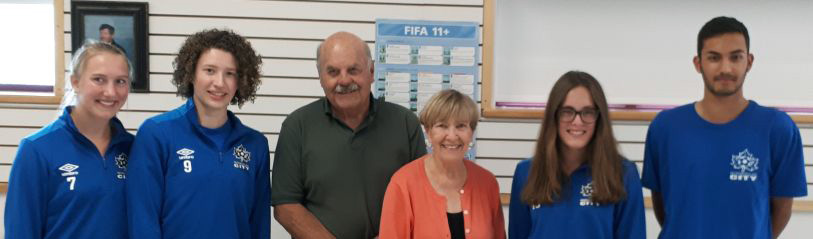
pixel 248 63
pixel 719 26
pixel 109 28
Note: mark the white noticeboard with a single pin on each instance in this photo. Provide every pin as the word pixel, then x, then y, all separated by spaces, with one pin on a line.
pixel 641 51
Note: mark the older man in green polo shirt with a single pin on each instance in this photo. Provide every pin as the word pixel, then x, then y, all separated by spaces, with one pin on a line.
pixel 335 156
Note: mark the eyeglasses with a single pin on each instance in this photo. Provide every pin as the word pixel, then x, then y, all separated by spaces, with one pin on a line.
pixel 588 115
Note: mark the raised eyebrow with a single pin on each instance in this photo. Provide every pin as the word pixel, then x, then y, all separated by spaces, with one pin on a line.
pixel 736 52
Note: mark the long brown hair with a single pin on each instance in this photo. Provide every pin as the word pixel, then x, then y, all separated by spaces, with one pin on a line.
pixel 546 177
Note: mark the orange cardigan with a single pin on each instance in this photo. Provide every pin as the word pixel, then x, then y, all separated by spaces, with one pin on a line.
pixel 412 208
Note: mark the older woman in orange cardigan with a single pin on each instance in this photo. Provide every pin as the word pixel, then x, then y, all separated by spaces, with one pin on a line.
pixel 443 195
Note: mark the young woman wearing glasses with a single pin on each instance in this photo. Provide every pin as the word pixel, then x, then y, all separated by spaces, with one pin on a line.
pixel 577 185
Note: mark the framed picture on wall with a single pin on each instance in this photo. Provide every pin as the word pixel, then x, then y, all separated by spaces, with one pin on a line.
pixel 123 24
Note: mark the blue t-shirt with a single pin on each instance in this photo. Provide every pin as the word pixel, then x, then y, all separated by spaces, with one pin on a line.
pixel 717 180
pixel 575 216
pixel 182 185
pixel 60 185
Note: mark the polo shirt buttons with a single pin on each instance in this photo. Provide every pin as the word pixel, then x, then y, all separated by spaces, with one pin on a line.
pixel 461 191
pixel 465 212
pixel 468 231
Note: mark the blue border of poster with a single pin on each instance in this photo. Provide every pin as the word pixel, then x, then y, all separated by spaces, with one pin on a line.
pixel 414 59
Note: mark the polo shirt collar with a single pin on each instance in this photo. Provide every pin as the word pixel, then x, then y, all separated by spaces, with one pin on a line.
pixel 374 104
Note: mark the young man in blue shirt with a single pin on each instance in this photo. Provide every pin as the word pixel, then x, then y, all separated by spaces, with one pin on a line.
pixel 723 167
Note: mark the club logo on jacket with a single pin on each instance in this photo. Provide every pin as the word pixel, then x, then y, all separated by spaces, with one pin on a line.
pixel 744 166
pixel 242 157
pixel 587 192
pixel 185 154
pixel 69 170
pixel 121 163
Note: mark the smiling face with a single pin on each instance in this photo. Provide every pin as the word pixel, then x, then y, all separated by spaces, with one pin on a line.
pixel 576 134
pixel 345 72
pixel 723 63
pixel 215 81
pixel 102 86
pixel 450 138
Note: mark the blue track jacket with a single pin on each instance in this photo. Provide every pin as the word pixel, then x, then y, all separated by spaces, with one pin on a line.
pixel 180 185
pixel 62 187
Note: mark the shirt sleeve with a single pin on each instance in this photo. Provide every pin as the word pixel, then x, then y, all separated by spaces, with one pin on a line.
pixel 417 144
pixel 519 213
pixel 144 186
pixel 629 214
pixel 261 214
pixel 651 177
pixel 396 213
pixel 787 163
pixel 26 201
pixel 287 182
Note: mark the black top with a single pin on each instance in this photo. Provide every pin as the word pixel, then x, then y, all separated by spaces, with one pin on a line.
pixel 456 225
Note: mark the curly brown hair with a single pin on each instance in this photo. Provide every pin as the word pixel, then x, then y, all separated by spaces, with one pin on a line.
pixel 248 63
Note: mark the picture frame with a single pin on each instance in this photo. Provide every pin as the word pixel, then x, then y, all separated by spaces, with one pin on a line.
pixel 124 24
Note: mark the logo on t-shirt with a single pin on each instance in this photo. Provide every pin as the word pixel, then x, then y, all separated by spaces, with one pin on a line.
pixel 587 192
pixel 744 166
pixel 242 157
pixel 185 154
pixel 121 163
pixel 69 170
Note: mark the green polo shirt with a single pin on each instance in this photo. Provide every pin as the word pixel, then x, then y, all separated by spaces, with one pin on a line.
pixel 338 174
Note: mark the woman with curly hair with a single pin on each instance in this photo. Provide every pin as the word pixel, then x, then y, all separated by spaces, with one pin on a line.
pixel 196 171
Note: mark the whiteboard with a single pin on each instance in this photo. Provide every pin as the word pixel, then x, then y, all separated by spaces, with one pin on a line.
pixel 641 51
